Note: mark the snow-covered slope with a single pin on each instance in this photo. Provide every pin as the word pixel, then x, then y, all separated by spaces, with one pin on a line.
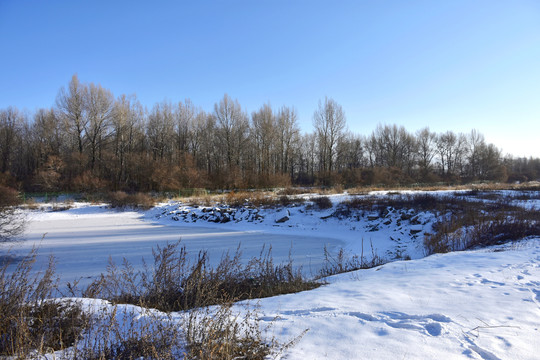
pixel 481 304
pixel 392 234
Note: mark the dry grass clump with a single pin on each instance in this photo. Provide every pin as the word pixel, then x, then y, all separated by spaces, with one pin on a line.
pixel 480 225
pixel 31 204
pixel 218 334
pixel 175 283
pixel 322 202
pixel 122 333
pixel 259 199
pixel 33 324
pixel 419 202
pixel 121 199
pixel 29 321
pixel 533 185
pixel 294 191
pixel 233 199
pixel 343 262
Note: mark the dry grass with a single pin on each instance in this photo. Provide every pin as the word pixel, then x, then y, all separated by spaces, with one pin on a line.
pixel 29 320
pixel 343 262
pixel 120 199
pixel 322 202
pixel 175 283
pixel 294 191
pixel 33 324
pixel 253 199
pixel 220 334
pixel 481 224
pixel 533 185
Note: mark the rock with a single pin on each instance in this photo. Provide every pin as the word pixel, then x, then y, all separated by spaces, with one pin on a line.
pixel 415 220
pixel 415 230
pixel 282 220
pixel 327 216
pixel 282 216
pixel 405 216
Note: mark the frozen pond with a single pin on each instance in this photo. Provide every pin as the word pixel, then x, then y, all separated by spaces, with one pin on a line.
pixel 83 239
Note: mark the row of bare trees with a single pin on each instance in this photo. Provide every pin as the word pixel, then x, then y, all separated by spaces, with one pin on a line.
pixel 92 141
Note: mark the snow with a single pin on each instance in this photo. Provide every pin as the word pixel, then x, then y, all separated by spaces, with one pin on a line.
pixel 475 304
pixel 482 304
pixel 83 238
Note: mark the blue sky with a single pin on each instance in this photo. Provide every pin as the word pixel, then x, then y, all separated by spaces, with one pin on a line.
pixel 450 65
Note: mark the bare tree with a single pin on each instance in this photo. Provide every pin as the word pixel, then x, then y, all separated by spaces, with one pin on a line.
pixel 351 152
pixel 446 144
pixel 288 134
pixel 100 105
pixel 72 110
pixel 329 123
pixel 127 123
pixel 264 135
pixel 47 134
pixel 393 147
pixel 185 115
pixel 426 151
pixel 475 142
pixel 11 121
pixel 307 158
pixel 232 126
pixel 160 130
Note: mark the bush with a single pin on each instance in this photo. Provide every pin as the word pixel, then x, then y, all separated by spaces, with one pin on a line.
pixel 29 321
pixel 120 199
pixel 174 283
pixel 322 202
pixel 343 262
pixel 482 224
pixel 33 324
pixel 219 334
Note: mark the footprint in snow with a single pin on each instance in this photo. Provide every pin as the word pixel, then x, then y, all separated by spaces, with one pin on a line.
pixel 307 311
pixel 430 324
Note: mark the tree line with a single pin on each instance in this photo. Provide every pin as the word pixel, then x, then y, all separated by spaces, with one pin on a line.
pixel 91 141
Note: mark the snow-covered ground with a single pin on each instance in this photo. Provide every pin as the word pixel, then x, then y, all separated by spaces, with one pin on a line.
pixel 482 304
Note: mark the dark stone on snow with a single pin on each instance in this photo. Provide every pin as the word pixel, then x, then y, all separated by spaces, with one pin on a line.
pixel 282 220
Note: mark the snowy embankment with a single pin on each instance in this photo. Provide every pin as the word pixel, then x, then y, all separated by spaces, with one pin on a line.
pixel 481 304
pixel 391 234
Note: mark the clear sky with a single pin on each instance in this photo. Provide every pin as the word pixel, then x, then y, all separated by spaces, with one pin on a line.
pixel 450 65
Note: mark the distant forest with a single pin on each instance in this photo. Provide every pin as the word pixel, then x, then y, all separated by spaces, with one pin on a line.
pixel 91 141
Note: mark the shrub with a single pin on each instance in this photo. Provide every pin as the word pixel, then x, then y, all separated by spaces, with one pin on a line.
pixel 120 199
pixel 33 324
pixel 129 333
pixel 322 202
pixel 29 321
pixel 220 334
pixel 343 262
pixel 174 283
pixel 470 227
pixel 293 191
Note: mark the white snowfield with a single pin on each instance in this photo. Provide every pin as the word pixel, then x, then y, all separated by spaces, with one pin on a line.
pixel 482 304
